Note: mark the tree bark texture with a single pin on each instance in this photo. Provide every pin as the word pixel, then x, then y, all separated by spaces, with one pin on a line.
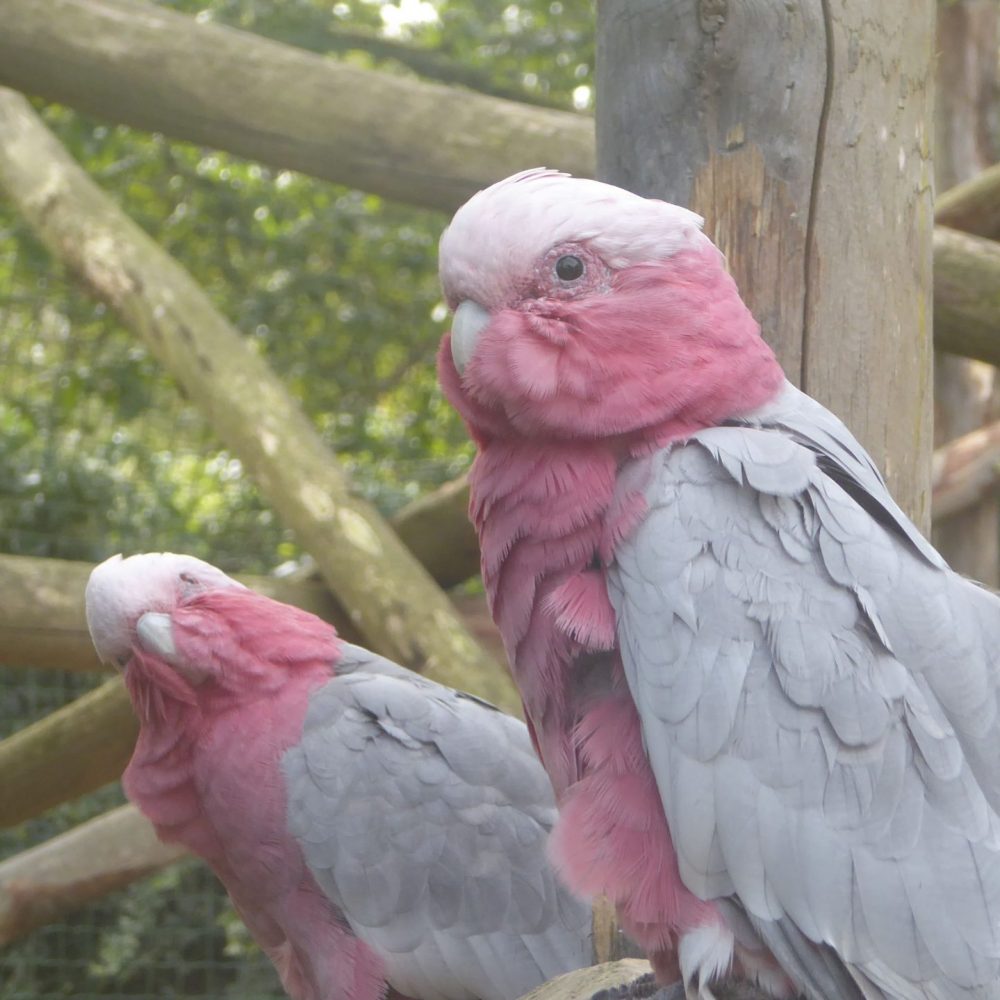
pixel 74 750
pixel 802 133
pixel 967 295
pixel 391 599
pixel 973 206
pixel 43 884
pixel 396 136
pixel 587 983
pixel 965 395
pixel 966 471
pixel 437 530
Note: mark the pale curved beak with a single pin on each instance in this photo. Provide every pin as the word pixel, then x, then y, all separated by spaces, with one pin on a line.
pixel 470 321
pixel 156 633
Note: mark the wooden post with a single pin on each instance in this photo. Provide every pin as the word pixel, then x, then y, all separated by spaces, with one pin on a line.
pixel 965 395
pixel 801 131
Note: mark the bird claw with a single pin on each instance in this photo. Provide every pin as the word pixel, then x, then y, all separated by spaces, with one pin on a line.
pixel 644 987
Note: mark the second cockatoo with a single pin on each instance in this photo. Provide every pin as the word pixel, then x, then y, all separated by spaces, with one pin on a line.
pixel 768 707
pixel 373 828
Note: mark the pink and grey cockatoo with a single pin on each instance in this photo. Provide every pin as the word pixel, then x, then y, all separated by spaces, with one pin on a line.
pixel 769 709
pixel 372 827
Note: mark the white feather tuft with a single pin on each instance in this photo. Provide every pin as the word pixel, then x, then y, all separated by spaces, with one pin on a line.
pixel 704 953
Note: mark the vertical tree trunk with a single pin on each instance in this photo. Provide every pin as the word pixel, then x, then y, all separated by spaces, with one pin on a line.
pixel 965 395
pixel 801 131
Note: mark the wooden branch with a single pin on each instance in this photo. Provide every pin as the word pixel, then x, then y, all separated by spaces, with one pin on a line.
pixel 769 118
pixel 965 391
pixel 631 976
pixel 79 747
pixel 428 63
pixel 965 471
pixel 973 206
pixel 390 597
pixel 437 530
pixel 43 884
pixel 411 141
pixel 967 295
pixel 609 941
pixel 595 979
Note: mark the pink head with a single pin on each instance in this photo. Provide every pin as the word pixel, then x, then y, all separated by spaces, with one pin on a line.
pixel 583 311
pixel 188 635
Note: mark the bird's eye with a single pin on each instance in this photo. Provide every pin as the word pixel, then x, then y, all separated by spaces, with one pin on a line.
pixel 569 267
pixel 189 578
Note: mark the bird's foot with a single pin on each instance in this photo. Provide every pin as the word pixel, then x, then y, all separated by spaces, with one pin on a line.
pixel 644 987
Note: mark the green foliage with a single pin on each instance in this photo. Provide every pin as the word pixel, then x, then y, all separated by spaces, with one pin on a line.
pixel 99 453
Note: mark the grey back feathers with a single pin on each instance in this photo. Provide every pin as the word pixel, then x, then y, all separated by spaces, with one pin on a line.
pixel 423 815
pixel 819 701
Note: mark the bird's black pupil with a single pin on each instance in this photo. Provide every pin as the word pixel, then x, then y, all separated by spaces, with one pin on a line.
pixel 569 267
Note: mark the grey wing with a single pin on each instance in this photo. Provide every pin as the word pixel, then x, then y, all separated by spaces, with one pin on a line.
pixel 840 456
pixel 424 816
pixel 819 705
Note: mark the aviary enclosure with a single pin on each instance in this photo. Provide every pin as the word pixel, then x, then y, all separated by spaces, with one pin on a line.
pixel 219 313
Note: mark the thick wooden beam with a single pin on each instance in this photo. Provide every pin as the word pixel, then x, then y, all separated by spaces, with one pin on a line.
pixel 77 748
pixel 391 599
pixel 600 980
pixel 43 884
pixel 399 137
pixel 437 530
pixel 967 295
pixel 965 391
pixel 966 471
pixel 974 205
pixel 802 133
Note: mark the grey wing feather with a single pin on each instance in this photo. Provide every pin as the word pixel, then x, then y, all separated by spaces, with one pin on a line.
pixel 424 815
pixel 819 701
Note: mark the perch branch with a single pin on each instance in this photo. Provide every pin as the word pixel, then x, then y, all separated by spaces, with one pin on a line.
pixel 974 205
pixel 43 884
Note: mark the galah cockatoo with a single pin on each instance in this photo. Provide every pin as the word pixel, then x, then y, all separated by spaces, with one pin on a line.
pixel 768 707
pixel 372 827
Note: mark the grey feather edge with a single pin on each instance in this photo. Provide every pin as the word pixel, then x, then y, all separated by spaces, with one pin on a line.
pixel 423 813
